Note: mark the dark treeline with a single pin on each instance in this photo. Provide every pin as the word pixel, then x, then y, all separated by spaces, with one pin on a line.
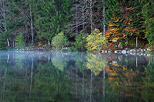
pixel 37 22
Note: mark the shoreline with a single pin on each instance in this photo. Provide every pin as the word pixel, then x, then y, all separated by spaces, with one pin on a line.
pixel 140 52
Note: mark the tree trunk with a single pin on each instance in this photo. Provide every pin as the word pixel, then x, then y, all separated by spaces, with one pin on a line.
pixel 104 19
pixel 91 16
pixel 8 42
pixel 83 15
pixel 13 43
pixel 136 41
pixel 4 16
pixel 48 42
pixel 76 8
pixel 83 18
pixel 31 22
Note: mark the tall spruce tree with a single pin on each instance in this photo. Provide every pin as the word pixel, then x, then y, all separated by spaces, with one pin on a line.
pixel 148 14
pixel 50 17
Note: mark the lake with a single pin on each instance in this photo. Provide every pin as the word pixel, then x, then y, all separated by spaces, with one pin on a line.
pixel 75 77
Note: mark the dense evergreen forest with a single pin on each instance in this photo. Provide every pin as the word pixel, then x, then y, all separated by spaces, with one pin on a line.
pixel 78 24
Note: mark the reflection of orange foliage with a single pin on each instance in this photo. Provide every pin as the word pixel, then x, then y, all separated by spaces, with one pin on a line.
pixel 116 71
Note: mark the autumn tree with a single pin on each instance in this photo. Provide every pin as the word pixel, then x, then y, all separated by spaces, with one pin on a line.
pixel 95 41
pixel 120 21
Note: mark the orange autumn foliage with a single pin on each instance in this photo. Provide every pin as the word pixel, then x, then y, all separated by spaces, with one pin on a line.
pixel 120 28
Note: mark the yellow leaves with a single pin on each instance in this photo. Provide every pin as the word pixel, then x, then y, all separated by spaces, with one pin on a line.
pixel 89 37
pixel 96 40
pixel 124 36
pixel 145 71
pixel 96 63
pixel 131 8
pixel 118 20
pixel 97 31
pixel 114 39
pixel 114 30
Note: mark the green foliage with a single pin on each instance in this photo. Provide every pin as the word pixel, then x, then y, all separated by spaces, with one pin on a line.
pixel 40 44
pixel 151 48
pixel 80 42
pixel 60 40
pixel 49 84
pixel 95 41
pixel 148 13
pixel 20 42
pixel 2 42
pixel 112 5
pixel 50 17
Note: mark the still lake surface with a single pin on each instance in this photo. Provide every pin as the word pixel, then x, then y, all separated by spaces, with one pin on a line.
pixel 75 77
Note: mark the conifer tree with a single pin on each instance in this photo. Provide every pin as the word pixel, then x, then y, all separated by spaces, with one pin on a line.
pixel 20 42
pixel 50 17
pixel 148 14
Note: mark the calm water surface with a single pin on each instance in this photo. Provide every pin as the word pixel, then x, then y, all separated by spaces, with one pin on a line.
pixel 75 77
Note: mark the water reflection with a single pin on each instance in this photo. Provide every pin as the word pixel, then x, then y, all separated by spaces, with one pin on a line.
pixel 75 76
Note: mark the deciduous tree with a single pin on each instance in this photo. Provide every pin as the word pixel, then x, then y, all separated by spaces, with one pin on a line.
pixel 95 41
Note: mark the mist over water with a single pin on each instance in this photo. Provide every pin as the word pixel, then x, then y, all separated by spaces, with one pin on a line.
pixel 31 76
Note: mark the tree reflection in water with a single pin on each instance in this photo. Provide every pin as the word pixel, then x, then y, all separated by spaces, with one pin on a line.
pixel 75 76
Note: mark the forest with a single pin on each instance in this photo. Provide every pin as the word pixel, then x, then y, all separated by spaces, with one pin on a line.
pixel 86 25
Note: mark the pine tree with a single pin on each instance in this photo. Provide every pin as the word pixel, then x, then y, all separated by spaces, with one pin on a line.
pixel 148 13
pixel 20 42
pixel 50 17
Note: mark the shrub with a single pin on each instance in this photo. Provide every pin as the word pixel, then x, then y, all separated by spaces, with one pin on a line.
pixel 20 42
pixel 59 41
pixel 80 42
pixel 95 41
